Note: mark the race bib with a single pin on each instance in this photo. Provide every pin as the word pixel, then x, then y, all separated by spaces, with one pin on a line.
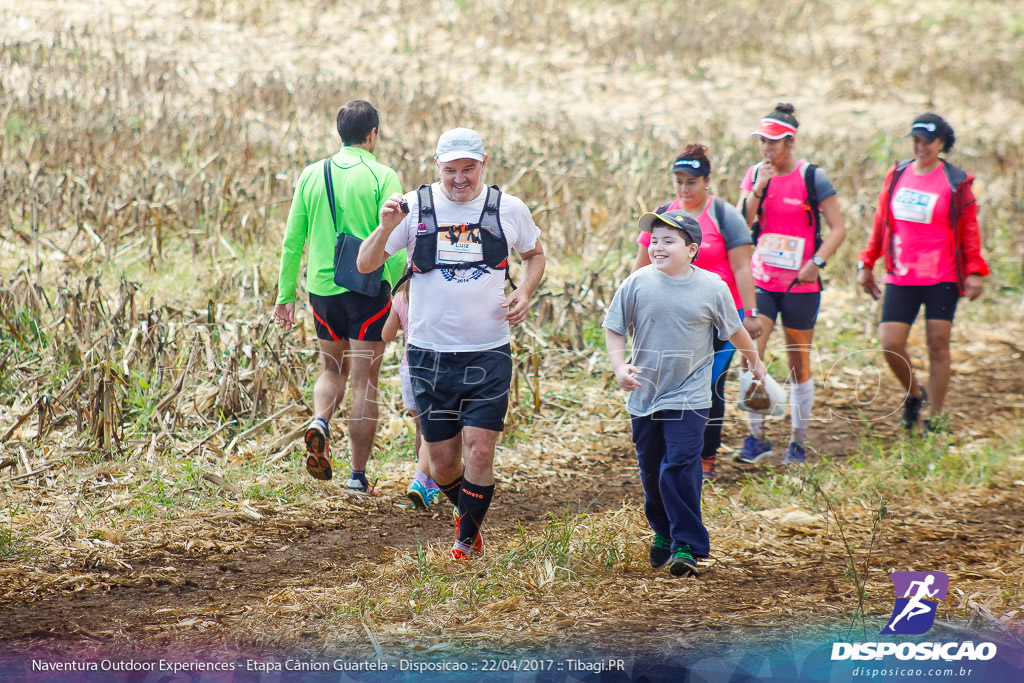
pixel 781 251
pixel 459 244
pixel 914 206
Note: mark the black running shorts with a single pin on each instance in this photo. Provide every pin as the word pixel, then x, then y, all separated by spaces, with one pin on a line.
pixel 351 315
pixel 799 309
pixel 460 389
pixel 901 303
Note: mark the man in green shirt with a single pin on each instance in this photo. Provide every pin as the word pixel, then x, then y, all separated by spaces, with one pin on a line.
pixel 348 324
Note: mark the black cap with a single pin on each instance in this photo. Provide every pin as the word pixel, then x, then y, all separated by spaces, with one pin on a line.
pixel 677 218
pixel 928 126
pixel 691 166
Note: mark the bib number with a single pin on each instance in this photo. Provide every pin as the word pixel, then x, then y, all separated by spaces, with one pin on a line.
pixel 781 251
pixel 459 244
pixel 914 206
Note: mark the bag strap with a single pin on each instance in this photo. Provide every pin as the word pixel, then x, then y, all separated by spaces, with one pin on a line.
pixel 492 203
pixel 425 198
pixel 718 205
pixel 330 194
pixel 814 213
pixel 755 229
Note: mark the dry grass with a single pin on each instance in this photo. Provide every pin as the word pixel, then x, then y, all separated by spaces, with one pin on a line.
pixel 147 164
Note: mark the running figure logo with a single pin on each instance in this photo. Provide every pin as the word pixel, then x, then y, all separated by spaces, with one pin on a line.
pixel 918 595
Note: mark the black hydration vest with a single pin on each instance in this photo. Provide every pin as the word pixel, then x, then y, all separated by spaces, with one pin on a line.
pixel 486 232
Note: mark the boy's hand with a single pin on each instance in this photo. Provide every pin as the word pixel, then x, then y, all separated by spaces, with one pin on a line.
pixel 758 369
pixel 626 377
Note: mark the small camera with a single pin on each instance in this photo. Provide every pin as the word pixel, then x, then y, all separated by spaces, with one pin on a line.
pixel 403 206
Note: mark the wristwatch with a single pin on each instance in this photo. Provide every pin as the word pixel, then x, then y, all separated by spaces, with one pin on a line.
pixel 818 261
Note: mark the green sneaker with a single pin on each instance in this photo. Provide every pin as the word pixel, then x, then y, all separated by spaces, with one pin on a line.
pixel 661 551
pixel 683 563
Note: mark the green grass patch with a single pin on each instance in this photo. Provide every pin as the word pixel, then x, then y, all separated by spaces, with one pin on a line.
pixel 906 467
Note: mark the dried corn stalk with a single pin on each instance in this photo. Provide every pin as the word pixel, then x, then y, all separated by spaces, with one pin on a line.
pixel 105 407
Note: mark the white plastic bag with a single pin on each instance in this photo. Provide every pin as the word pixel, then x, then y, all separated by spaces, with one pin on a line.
pixel 767 397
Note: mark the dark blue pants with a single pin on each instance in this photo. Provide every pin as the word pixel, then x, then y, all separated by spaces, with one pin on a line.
pixel 668 445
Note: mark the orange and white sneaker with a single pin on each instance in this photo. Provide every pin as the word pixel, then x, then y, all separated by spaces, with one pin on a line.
pixel 318 458
pixel 708 468
pixel 461 551
pixel 460 554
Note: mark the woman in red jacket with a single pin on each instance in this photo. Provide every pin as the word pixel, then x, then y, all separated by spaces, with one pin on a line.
pixel 926 227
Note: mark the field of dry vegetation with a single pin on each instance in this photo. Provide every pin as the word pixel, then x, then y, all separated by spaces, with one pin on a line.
pixel 152 494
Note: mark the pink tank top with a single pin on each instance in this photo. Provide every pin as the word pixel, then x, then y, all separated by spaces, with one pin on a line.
pixel 712 255
pixel 787 235
pixel 924 248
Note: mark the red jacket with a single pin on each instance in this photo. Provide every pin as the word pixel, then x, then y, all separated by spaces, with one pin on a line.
pixel 963 216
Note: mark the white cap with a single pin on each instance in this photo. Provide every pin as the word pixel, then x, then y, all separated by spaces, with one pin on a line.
pixel 459 143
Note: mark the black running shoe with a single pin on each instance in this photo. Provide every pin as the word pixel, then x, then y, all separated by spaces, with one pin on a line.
pixel 683 563
pixel 912 409
pixel 661 551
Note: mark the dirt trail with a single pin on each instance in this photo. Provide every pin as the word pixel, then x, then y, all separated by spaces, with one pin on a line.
pixel 153 593
pixel 199 588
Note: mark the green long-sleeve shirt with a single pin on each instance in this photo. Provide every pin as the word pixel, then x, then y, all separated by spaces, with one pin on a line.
pixel 361 184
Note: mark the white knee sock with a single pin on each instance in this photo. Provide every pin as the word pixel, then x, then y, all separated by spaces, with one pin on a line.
pixel 801 402
pixel 756 421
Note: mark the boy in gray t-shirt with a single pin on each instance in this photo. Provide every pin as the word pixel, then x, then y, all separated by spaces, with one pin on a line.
pixel 674 309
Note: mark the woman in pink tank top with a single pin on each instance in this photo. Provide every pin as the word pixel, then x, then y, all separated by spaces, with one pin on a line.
pixel 926 227
pixel 783 199
pixel 725 250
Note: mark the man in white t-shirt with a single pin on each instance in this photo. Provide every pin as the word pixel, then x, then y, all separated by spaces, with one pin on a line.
pixel 459 234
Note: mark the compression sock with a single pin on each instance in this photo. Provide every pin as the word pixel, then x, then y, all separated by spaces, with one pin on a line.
pixel 801 402
pixel 474 501
pixel 451 491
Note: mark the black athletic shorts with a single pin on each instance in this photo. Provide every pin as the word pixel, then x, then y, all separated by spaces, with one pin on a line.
pixel 460 389
pixel 799 309
pixel 901 303
pixel 351 315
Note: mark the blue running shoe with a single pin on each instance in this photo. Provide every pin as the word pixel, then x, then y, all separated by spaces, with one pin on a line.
pixel 753 450
pixel 433 493
pixel 420 495
pixel 795 454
